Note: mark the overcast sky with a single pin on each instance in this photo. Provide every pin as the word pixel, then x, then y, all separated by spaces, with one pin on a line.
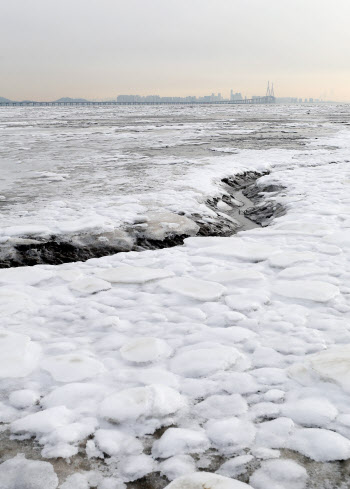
pixel 102 48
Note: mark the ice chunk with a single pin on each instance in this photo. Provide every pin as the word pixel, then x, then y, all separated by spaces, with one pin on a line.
pixel 278 474
pixel 72 367
pixel 145 349
pixel 133 275
pixel 312 290
pixel 221 406
pixel 150 401
pixel 231 435
pixel 275 433
pixel 235 275
pixel 165 223
pixel 135 467
pixel 80 396
pixel 204 361
pixel 177 466
pixel 18 355
pixel 310 412
pixel 24 275
pixel 115 443
pixel 320 444
pixel 241 249
pixel 207 480
pixel 43 421
pixel 23 398
pixel 287 259
pixel 12 302
pixel 333 365
pixel 89 285
pixel 201 290
pixel 177 441
pixel 236 466
pixel 20 473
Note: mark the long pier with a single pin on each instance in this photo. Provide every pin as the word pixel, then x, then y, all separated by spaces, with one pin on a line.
pixel 250 101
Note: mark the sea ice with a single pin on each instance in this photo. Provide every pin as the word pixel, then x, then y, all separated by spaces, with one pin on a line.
pixel 333 365
pixel 235 275
pixel 89 285
pixel 145 349
pixel 312 290
pixel 204 361
pixel 221 406
pixel 207 480
pixel 150 401
pixel 133 275
pixel 201 290
pixel 72 367
pixel 24 275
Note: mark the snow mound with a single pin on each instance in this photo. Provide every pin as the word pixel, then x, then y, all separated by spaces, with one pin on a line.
pixel 145 349
pixel 20 473
pixel 312 290
pixel 18 355
pixel 204 361
pixel 279 474
pixel 177 441
pixel 200 290
pixel 320 444
pixel 89 285
pixel 133 275
pixel 72 367
pixel 206 480
pixel 146 402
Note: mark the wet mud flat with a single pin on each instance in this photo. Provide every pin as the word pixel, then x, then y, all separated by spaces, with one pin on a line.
pixel 244 204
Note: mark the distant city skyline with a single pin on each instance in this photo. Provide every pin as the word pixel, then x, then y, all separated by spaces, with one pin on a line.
pixel 96 49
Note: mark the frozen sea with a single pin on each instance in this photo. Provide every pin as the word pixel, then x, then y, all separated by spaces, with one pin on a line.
pixel 223 363
pixel 107 174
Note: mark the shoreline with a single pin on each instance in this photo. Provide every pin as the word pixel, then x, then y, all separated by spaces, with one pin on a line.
pixel 240 207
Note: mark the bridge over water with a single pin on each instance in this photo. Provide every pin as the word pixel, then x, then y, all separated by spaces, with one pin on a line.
pixel 268 99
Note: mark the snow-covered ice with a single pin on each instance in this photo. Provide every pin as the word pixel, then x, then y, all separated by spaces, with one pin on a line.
pixel 219 360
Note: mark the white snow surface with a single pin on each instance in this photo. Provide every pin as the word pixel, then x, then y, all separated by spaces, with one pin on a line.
pixel 224 355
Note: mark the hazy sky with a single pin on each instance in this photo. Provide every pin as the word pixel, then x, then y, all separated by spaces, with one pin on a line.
pixel 102 48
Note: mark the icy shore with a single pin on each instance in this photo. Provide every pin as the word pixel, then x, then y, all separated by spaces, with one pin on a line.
pixel 229 355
